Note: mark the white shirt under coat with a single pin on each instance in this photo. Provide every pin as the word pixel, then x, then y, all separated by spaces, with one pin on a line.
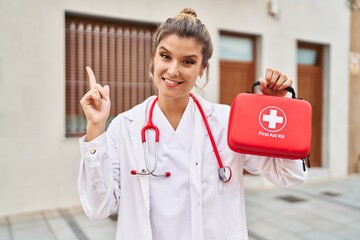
pixel 151 209
pixel 174 156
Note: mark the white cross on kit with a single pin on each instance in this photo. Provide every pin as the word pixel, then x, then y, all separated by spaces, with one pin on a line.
pixel 272 119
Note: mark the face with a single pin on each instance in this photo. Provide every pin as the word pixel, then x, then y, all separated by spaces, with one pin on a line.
pixel 177 64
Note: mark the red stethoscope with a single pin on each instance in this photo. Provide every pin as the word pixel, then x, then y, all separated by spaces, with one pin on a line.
pixel 224 172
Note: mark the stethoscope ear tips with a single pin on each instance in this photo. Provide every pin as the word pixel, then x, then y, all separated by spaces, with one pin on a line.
pixel 225 174
pixel 167 174
pixel 133 172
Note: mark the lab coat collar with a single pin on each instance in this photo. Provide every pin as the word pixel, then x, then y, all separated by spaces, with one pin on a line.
pixel 137 113
pixel 207 106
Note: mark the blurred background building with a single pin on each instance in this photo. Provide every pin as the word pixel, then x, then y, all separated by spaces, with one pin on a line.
pixel 45 46
pixel 354 88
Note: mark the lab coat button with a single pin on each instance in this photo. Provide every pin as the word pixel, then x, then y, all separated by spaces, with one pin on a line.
pixel 92 150
pixel 143 171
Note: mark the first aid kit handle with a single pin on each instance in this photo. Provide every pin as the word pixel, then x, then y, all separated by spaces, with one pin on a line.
pixel 289 89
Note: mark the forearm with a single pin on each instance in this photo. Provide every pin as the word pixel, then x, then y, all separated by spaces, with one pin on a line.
pixel 281 172
pixel 99 193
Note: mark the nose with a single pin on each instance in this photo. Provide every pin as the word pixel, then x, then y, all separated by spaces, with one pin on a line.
pixel 173 70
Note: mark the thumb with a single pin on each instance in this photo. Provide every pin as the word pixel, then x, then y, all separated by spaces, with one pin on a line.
pixel 107 92
pixel 263 83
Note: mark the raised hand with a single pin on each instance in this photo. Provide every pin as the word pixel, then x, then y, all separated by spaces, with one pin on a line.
pixel 274 83
pixel 96 106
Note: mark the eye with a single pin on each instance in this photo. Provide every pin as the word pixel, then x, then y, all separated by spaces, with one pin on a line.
pixel 189 61
pixel 164 56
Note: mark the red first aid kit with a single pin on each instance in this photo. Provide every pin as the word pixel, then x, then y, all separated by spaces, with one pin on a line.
pixel 270 126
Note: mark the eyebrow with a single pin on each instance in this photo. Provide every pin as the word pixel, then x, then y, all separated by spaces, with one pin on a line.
pixel 188 56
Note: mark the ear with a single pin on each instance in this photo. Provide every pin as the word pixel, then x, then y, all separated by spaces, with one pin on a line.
pixel 202 69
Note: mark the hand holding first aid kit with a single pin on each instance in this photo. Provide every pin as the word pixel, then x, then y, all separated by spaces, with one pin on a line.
pixel 270 126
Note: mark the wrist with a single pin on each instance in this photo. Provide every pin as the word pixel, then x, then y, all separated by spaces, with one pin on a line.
pixel 93 131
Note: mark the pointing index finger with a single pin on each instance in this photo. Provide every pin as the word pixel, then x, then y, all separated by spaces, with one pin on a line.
pixel 92 79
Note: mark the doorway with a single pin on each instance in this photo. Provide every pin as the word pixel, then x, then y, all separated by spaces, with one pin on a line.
pixel 310 88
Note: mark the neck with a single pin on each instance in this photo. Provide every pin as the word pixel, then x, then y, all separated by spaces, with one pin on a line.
pixel 173 109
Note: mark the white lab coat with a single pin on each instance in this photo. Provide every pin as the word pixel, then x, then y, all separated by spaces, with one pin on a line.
pixel 217 209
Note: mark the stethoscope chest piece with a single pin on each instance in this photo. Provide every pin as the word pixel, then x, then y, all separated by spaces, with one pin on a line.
pixel 225 174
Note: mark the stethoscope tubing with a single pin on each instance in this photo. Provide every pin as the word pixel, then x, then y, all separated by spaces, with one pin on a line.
pixel 150 125
pixel 224 173
pixel 218 158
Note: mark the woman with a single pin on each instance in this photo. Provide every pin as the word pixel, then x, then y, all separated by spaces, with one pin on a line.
pixel 192 202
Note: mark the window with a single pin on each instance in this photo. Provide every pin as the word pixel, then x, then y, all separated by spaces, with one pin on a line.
pixel 118 52
pixel 309 54
pixel 306 56
pixel 236 48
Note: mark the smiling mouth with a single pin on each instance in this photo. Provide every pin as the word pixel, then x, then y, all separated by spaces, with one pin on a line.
pixel 170 82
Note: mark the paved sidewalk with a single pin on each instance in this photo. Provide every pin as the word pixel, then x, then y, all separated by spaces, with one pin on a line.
pixel 321 211
pixel 314 211
pixel 57 224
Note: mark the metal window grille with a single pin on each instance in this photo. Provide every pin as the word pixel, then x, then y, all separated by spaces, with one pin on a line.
pixel 119 54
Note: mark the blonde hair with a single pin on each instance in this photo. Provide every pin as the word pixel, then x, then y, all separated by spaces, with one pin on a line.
pixel 185 25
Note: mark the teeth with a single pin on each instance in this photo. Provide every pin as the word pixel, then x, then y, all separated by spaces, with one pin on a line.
pixel 170 82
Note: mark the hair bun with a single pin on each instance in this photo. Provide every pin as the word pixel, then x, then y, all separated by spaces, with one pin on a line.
pixel 189 11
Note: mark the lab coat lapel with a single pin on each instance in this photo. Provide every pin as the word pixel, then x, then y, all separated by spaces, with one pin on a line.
pixel 196 152
pixel 199 136
pixel 139 118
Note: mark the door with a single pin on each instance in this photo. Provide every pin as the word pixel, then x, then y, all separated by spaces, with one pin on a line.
pixel 310 88
pixel 237 65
